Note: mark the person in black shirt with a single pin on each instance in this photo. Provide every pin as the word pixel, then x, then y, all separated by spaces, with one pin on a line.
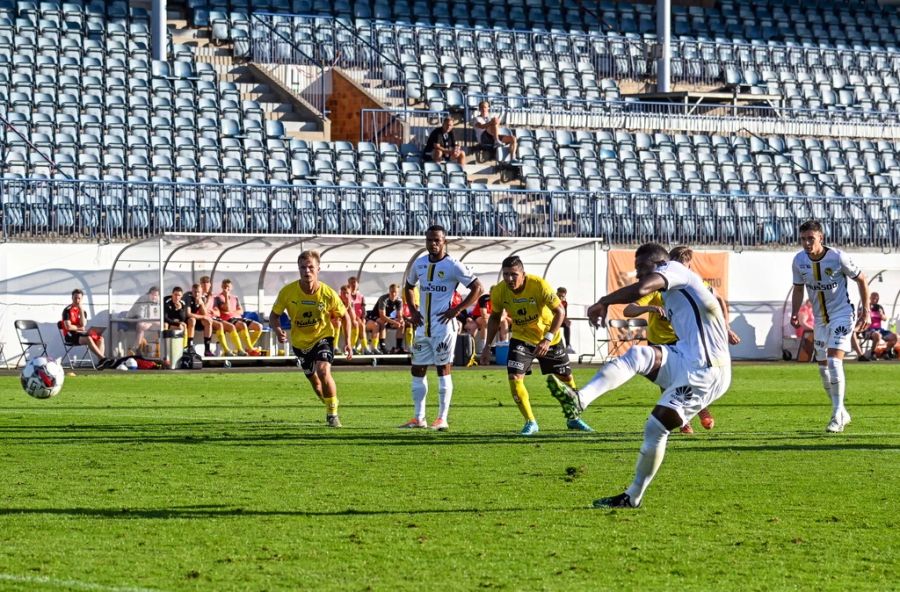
pixel 387 314
pixel 442 144
pixel 176 310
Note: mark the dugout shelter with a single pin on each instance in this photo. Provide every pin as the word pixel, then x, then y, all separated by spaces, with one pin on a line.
pixel 259 266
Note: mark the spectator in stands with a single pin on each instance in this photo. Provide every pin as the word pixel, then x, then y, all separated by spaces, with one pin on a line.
pixel 146 310
pixel 227 308
pixel 358 306
pixel 442 145
pixel 75 332
pixel 883 341
pixel 487 130
pixel 387 314
pixel 561 293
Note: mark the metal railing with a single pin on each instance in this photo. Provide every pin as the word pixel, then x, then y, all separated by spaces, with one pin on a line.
pixel 123 211
pixel 398 126
pixel 326 43
pixel 272 46
pixel 562 113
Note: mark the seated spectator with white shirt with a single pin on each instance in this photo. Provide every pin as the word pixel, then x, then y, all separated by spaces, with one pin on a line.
pixel 487 130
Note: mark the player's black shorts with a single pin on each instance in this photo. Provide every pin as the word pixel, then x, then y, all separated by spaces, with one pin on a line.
pixel 521 356
pixel 322 351
pixel 372 315
pixel 73 337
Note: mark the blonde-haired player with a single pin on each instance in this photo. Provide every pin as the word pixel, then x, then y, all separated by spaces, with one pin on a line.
pixel 311 306
pixel 536 315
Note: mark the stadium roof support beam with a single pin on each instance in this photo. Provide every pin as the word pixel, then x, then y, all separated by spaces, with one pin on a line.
pixel 664 37
pixel 158 30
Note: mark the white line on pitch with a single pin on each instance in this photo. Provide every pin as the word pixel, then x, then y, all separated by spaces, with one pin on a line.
pixel 76 584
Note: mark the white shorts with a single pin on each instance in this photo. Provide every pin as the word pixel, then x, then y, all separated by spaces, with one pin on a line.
pixel 436 350
pixel 835 335
pixel 686 388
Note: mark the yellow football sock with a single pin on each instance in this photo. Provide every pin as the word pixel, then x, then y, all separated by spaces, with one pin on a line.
pixel 184 340
pixel 570 380
pixel 409 336
pixel 520 396
pixel 246 335
pixel 354 337
pixel 220 334
pixel 365 339
pixel 237 341
pixel 331 405
pixel 375 342
pixel 254 337
pixel 337 336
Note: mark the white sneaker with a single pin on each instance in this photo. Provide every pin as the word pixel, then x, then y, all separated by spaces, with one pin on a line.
pixel 838 422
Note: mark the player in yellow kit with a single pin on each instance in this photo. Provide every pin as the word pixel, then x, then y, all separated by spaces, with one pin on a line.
pixel 311 306
pixel 536 315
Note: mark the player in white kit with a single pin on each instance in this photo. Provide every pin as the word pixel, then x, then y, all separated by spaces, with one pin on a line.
pixel 437 274
pixel 824 272
pixel 692 373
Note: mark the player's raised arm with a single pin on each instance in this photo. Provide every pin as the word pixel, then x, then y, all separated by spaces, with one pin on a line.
pixel 646 285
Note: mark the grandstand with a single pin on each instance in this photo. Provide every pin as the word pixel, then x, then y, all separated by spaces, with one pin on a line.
pixel 243 126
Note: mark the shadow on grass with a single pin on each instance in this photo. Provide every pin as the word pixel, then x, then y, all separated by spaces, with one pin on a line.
pixel 223 511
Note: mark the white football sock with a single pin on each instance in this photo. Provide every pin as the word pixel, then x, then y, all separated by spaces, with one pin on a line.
pixel 419 392
pixel 445 393
pixel 650 457
pixel 838 383
pixel 637 360
pixel 825 375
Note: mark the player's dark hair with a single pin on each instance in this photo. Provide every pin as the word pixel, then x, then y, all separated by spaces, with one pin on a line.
pixel 813 225
pixel 512 261
pixel 177 289
pixel 654 251
pixel 77 291
pixel 436 228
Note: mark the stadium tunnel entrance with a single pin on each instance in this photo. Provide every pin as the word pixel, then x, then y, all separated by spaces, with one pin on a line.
pixel 259 266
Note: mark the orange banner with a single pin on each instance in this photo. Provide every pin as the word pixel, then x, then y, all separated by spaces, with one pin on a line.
pixel 712 266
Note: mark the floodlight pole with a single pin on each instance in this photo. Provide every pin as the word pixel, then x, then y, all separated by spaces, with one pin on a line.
pixel 664 47
pixel 158 30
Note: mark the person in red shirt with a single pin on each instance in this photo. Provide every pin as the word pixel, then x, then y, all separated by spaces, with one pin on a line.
pixel 227 308
pixel 883 340
pixel 75 332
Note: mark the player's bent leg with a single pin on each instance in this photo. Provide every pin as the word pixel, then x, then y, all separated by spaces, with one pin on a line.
pixel 521 398
pixel 329 393
pixel 644 360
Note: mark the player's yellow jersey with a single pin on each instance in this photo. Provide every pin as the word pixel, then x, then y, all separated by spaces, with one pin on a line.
pixel 310 314
pixel 530 310
pixel 659 329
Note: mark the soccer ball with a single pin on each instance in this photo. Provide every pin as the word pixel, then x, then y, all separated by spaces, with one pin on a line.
pixel 42 378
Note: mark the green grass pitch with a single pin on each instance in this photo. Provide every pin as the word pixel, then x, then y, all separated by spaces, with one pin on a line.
pixel 230 481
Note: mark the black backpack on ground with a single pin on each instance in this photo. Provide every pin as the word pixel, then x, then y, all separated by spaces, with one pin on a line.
pixel 190 361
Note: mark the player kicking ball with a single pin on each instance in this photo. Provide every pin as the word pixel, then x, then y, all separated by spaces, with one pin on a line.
pixel 311 306
pixel 692 375
pixel 536 314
